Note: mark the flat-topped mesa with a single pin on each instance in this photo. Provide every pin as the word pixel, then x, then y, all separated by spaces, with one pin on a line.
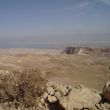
pixel 89 51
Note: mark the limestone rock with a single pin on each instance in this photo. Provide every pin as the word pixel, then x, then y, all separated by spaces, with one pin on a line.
pixel 50 90
pixel 45 95
pixel 51 99
pixel 107 105
pixel 80 98
pixel 57 94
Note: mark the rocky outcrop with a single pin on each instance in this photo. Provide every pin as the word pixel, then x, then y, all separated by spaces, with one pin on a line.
pixel 80 98
pixel 59 97
pixel 74 98
pixel 87 51
pixel 71 50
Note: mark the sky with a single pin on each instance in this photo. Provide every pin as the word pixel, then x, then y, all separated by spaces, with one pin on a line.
pixel 47 23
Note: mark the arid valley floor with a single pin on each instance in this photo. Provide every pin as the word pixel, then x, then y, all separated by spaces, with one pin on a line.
pixel 61 68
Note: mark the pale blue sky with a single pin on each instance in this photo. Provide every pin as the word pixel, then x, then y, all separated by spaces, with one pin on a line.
pixel 32 23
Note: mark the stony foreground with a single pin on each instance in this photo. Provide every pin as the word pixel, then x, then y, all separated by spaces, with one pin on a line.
pixel 60 97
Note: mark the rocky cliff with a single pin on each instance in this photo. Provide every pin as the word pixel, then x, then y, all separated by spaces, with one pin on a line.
pixel 87 51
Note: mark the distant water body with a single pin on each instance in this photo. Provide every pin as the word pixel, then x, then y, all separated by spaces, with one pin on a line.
pixel 60 45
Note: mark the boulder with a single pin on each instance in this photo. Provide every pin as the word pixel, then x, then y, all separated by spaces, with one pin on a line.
pixel 50 91
pixel 106 91
pixel 51 99
pixel 80 98
pixel 45 95
pixel 71 98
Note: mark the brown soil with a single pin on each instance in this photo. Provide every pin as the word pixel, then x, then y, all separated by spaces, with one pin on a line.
pixel 63 69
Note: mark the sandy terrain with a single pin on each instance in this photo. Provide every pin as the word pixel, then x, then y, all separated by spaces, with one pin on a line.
pixel 91 71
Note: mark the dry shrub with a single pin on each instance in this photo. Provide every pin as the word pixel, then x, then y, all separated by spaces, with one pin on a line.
pixel 22 88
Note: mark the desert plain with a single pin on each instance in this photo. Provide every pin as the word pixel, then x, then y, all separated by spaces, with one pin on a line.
pixel 91 71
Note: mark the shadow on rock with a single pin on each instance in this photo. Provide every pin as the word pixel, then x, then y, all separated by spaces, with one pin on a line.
pixel 55 106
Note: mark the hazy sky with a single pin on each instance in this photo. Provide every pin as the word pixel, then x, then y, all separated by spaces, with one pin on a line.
pixel 30 23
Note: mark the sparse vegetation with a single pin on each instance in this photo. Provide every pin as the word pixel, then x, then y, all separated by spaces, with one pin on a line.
pixel 22 88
